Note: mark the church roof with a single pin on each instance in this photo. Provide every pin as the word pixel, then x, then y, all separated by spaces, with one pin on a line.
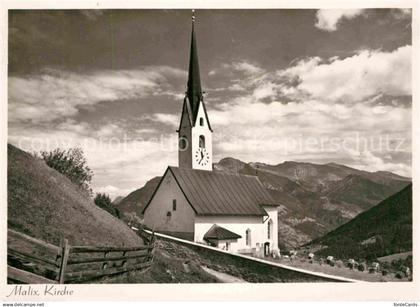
pixel 217 232
pixel 194 92
pixel 218 193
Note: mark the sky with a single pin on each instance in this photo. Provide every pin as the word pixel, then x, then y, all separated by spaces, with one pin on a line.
pixel 317 86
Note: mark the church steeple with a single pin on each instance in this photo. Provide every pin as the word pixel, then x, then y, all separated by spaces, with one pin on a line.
pixel 194 92
pixel 194 133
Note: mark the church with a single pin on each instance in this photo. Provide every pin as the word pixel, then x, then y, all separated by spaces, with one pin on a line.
pixel 192 201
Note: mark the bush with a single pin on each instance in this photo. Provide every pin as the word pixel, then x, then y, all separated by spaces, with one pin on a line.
pixel 72 164
pixel 372 270
pixel 361 267
pixel 384 272
pixel 104 201
pixel 399 275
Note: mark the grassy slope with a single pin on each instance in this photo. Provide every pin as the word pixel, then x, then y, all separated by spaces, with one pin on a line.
pixel 46 205
pixel 389 222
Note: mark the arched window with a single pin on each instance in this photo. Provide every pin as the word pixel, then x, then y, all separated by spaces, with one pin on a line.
pixel 201 121
pixel 270 229
pixel 248 237
pixel 202 141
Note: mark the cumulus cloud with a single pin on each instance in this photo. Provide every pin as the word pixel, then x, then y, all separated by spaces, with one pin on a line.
pixel 55 94
pixel 114 191
pixel 165 118
pixel 238 68
pixel 367 73
pixel 314 131
pixel 352 110
pixel 247 68
pixel 328 19
pixel 123 163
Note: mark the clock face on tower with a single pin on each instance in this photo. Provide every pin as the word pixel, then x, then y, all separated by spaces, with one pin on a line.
pixel 202 156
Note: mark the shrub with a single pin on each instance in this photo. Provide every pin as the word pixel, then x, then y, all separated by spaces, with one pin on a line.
pixel 72 164
pixel 384 272
pixel 372 270
pixel 104 201
pixel 386 265
pixel 361 267
pixel 399 275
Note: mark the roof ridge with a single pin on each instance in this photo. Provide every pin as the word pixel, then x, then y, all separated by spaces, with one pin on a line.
pixel 215 172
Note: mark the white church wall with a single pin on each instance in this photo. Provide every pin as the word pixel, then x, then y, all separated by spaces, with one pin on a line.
pixel 180 220
pixel 238 225
pixel 273 215
pixel 204 130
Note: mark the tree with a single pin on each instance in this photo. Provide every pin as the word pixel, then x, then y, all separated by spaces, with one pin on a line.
pixel 103 201
pixel 72 164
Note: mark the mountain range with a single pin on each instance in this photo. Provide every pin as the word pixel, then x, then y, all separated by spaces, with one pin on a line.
pixel 314 198
pixel 382 230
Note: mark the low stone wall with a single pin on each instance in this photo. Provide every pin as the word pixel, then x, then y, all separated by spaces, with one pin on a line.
pixel 249 268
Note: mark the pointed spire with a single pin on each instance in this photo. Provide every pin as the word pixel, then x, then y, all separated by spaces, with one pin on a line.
pixel 194 92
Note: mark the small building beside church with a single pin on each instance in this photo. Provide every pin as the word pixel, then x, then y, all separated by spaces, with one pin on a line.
pixel 192 201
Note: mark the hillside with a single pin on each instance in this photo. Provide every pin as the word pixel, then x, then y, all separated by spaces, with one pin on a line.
pixel 384 229
pixel 45 204
pixel 314 198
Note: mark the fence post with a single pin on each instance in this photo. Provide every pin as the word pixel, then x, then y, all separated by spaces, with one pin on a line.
pixel 151 244
pixel 64 257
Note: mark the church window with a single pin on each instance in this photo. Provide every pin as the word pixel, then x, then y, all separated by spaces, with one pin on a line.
pixel 174 205
pixel 248 237
pixel 201 121
pixel 202 141
pixel 270 229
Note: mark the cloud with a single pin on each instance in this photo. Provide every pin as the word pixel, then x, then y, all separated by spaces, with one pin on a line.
pixel 114 191
pixel 55 94
pixel 402 13
pixel 328 19
pixel 247 68
pixel 92 14
pixel 314 130
pixel 123 163
pixel 322 110
pixel 238 68
pixel 164 118
pixel 367 73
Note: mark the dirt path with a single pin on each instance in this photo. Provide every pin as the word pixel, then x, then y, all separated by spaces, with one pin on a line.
pixel 223 277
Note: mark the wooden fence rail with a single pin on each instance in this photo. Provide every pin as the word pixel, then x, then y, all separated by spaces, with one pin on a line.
pixel 31 260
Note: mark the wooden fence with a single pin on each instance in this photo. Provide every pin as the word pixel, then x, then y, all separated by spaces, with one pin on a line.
pixel 33 261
